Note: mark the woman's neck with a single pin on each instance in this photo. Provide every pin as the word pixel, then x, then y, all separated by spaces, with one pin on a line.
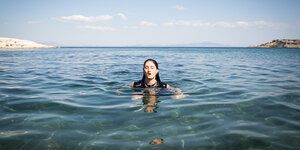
pixel 150 81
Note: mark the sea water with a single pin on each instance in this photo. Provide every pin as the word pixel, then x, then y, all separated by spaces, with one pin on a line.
pixel 80 98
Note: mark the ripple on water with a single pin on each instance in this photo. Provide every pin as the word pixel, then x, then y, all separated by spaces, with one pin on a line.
pixel 80 98
pixel 17 90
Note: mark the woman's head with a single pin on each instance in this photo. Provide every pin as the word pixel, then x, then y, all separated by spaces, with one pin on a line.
pixel 151 70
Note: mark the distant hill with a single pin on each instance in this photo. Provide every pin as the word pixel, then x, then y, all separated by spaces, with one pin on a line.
pixel 200 44
pixel 11 43
pixel 284 43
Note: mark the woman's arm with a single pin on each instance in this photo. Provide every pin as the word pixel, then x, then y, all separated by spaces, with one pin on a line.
pixel 177 92
pixel 168 86
pixel 135 96
pixel 173 89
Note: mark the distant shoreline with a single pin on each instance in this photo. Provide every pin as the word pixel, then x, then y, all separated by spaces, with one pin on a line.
pixel 141 47
pixel 157 47
pixel 145 47
pixel 12 43
pixel 284 43
pixel 18 44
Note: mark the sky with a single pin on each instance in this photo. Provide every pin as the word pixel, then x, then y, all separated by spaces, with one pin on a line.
pixel 150 22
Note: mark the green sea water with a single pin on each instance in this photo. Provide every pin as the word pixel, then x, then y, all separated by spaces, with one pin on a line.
pixel 80 98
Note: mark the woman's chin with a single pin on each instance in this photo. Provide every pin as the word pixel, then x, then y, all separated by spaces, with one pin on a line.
pixel 150 78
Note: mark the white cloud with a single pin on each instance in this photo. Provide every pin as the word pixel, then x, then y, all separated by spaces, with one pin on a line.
pixel 102 28
pixel 186 23
pixel 168 24
pixel 224 24
pixel 34 22
pixel 81 18
pixel 179 7
pixel 122 16
pixel 150 24
pixel 130 27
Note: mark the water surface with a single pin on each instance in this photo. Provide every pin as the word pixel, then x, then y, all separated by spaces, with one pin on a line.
pixel 79 98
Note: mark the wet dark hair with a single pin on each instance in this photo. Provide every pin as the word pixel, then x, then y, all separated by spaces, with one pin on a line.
pixel 157 75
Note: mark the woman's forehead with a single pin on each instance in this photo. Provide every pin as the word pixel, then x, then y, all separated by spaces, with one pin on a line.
pixel 149 63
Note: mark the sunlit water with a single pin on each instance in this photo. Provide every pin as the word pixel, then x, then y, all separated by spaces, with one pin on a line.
pixel 79 98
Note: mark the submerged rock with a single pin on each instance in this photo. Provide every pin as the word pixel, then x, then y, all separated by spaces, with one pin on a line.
pixel 157 141
pixel 133 127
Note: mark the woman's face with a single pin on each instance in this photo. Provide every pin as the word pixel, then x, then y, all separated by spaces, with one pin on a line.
pixel 150 70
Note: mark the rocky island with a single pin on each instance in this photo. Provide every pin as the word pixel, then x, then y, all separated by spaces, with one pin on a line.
pixel 11 43
pixel 284 43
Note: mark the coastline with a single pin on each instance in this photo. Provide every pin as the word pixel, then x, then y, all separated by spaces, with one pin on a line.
pixel 13 44
pixel 283 43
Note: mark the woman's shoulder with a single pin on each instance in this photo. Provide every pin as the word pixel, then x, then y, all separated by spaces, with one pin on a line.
pixel 131 84
pixel 137 84
pixel 163 85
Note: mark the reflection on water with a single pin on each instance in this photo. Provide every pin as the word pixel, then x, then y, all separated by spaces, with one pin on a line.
pixel 151 103
pixel 150 96
pixel 150 100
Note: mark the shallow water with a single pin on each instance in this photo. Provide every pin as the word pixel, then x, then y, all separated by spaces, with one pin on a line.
pixel 79 98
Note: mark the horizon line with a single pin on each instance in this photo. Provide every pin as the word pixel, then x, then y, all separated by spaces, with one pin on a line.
pixel 152 46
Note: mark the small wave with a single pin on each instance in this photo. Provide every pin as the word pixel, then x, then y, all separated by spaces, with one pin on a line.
pixel 76 85
pixel 283 121
pixel 211 80
pixel 94 106
pixel 193 103
pixel 248 133
pixel 19 90
pixel 121 72
pixel 192 81
pixel 12 133
pixel 289 105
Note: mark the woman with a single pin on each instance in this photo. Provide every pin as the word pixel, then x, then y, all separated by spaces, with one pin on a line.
pixel 150 77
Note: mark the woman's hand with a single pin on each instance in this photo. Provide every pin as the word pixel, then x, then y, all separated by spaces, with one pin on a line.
pixel 177 93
